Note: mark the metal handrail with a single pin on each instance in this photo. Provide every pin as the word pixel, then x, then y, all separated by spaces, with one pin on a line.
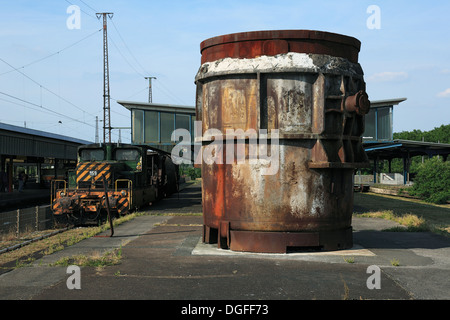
pixel 52 183
pixel 129 187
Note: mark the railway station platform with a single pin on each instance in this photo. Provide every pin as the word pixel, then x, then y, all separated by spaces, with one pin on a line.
pixel 41 156
pixel 163 259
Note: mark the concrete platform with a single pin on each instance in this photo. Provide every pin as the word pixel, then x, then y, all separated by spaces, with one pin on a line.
pixel 163 258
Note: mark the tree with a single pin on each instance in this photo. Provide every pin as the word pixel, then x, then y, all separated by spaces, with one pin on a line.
pixel 432 181
pixel 438 134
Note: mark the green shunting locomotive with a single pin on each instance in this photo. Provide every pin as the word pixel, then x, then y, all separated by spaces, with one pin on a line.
pixel 132 176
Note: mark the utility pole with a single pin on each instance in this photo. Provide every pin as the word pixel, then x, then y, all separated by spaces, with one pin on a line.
pixel 96 129
pixel 150 88
pixel 106 98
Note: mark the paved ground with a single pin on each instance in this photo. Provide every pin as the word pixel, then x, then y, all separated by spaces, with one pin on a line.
pixel 163 258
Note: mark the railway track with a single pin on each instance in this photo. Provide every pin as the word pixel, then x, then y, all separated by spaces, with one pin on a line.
pixel 26 228
pixel 32 244
pixel 30 248
pixel 16 251
pixel 20 244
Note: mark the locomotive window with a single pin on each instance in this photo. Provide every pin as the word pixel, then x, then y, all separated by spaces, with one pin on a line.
pixel 92 155
pixel 127 155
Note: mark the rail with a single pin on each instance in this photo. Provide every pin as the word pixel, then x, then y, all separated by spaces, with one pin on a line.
pixel 28 241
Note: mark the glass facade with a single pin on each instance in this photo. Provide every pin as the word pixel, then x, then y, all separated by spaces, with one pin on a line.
pixel 151 130
pixel 384 123
pixel 369 126
pixel 167 126
pixel 182 121
pixel 137 118
pixel 378 124
pixel 156 127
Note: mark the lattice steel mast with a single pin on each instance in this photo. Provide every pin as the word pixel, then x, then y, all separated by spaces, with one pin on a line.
pixel 150 88
pixel 106 98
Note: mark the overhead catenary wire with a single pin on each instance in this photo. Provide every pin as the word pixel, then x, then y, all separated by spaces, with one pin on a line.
pixel 53 54
pixel 120 52
pixel 114 44
pixel 41 106
pixel 43 87
pixel 88 6
pixel 123 41
pixel 45 108
pixel 128 49
pixel 143 74
pixel 25 106
pixel 168 93
pixel 81 9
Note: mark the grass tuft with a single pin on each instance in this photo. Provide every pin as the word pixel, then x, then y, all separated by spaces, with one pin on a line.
pixel 96 259
pixel 412 214
pixel 410 222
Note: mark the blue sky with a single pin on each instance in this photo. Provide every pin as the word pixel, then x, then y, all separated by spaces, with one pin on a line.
pixel 408 56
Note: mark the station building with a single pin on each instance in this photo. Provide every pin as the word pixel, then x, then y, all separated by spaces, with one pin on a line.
pixel 42 156
pixel 153 123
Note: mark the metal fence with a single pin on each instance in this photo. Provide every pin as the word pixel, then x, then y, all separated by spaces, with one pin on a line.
pixel 26 220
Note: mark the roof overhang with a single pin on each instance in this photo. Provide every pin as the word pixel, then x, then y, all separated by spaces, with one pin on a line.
pixel 400 148
pixel 386 103
pixel 38 133
pixel 130 105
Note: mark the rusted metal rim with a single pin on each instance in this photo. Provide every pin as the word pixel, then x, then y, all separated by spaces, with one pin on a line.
pixel 281 242
pixel 257 43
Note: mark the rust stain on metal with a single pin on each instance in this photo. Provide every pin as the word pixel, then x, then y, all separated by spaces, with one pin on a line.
pixel 258 43
pixel 309 86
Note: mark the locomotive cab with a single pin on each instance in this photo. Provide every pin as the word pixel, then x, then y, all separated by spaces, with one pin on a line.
pixel 127 176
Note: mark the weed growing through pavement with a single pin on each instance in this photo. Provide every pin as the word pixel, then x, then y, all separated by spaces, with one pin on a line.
pixel 410 222
pixel 349 260
pixel 96 259
pixel 395 262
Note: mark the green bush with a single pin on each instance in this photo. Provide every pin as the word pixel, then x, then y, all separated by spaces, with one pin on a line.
pixel 194 173
pixel 432 181
pixel 190 171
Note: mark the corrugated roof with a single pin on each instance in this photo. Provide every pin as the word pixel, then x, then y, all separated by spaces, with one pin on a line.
pixel 9 127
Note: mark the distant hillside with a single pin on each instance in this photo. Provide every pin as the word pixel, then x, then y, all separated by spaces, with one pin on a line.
pixel 440 134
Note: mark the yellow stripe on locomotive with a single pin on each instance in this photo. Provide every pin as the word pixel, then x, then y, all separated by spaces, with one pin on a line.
pixel 128 176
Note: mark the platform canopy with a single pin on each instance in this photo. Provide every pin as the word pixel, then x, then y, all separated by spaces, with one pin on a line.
pixel 25 142
pixel 403 149
pixel 400 148
pixel 379 144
